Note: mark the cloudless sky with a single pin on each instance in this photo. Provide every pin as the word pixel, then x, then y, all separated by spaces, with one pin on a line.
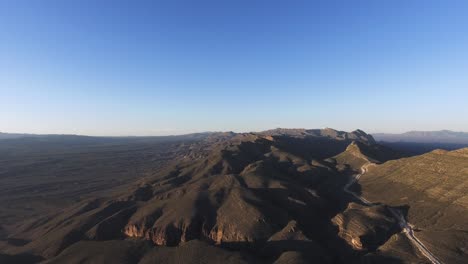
pixel 100 67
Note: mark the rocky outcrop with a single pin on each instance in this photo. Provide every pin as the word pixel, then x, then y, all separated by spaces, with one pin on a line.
pixel 365 227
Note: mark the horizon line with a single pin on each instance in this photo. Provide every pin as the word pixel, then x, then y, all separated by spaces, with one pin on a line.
pixel 210 132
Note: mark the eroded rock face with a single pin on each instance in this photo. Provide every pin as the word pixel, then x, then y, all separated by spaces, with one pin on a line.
pixel 173 235
pixel 133 230
pixel 228 234
pixel 169 236
pixel 365 227
pixel 221 216
pixel 353 239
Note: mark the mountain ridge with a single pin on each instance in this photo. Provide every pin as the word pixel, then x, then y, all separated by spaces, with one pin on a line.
pixel 275 195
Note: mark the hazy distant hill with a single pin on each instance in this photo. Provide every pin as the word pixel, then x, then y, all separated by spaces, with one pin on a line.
pixel 443 136
pixel 420 142
pixel 72 136
pixel 13 135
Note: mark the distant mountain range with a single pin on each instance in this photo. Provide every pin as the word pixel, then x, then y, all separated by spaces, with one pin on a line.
pixel 81 138
pixel 442 136
pixel 15 135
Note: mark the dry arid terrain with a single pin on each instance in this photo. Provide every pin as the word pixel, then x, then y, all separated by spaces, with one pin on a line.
pixel 278 196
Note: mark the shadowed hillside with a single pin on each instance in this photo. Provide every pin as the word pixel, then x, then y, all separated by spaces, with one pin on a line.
pixel 275 196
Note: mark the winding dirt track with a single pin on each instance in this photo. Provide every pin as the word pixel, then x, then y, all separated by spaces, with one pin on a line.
pixel 405 226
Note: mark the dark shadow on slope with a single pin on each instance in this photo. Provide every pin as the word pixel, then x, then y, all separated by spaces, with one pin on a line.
pixel 409 149
pixel 315 222
pixel 372 241
pixel 204 220
pixel 17 242
pixel 245 154
pixel 20 259
pixel 357 189
pixel 309 249
pixel 311 147
pixel 379 259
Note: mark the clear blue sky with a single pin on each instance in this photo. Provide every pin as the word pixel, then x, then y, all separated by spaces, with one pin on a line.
pixel 163 67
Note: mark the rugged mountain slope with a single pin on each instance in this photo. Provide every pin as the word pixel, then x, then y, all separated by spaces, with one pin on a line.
pixel 128 251
pixel 275 196
pixel 357 154
pixel 366 227
pixel 433 188
pixel 233 190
